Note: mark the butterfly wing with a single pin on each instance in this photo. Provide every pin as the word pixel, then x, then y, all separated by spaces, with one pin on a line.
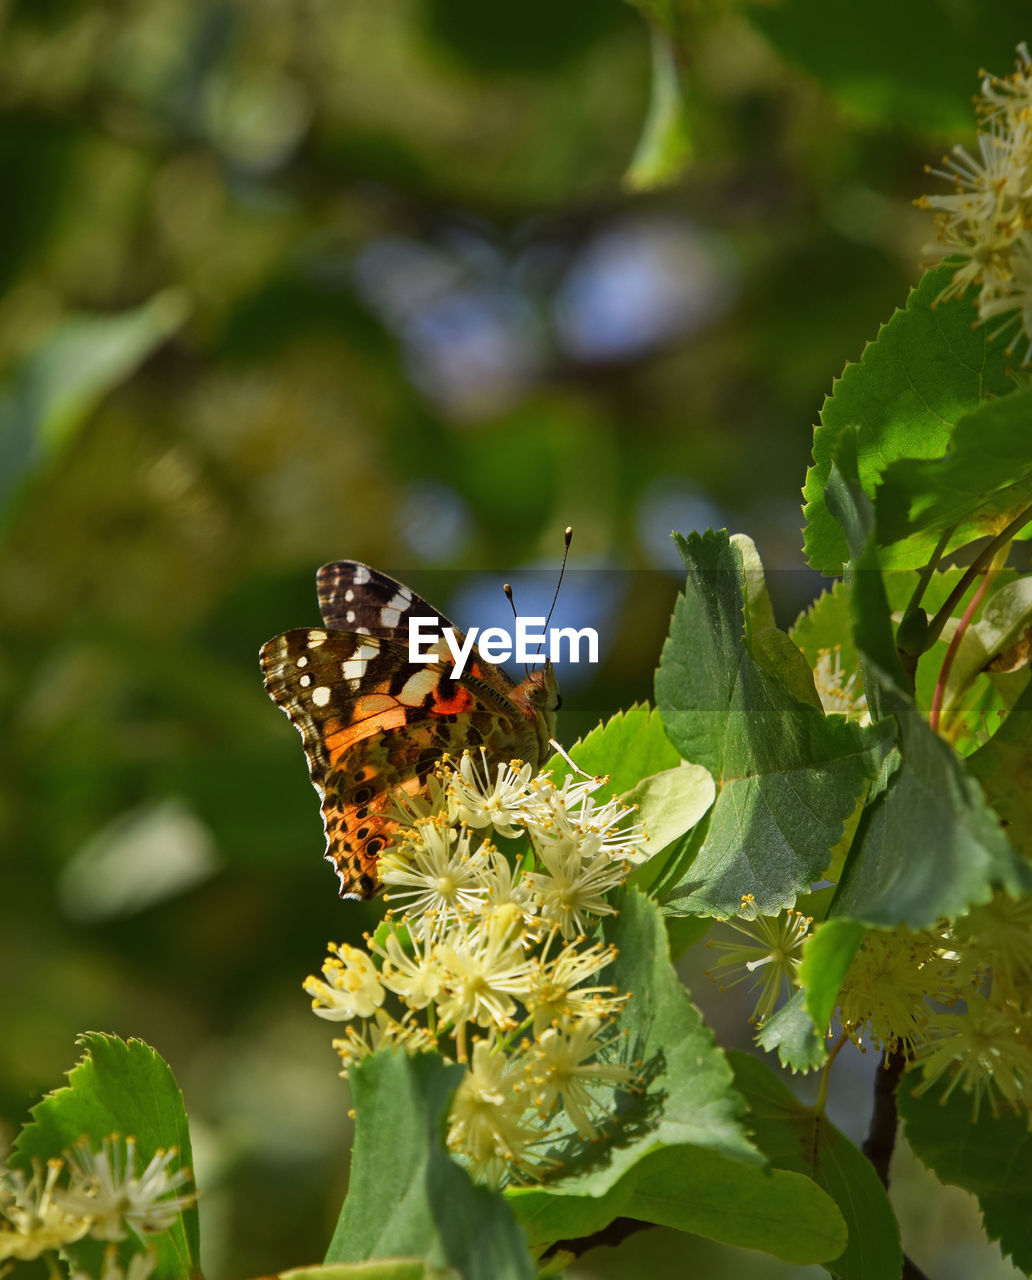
pixel 372 722
pixel 354 597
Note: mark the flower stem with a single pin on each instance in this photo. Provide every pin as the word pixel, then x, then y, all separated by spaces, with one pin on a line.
pixel 999 560
pixel 925 575
pixel 822 1093
pixel 974 569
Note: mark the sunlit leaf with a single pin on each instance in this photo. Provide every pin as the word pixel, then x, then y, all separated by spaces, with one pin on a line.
pixel 407 1196
pixel 926 369
pixel 1004 768
pixel 927 844
pixel 982 483
pixel 680 1157
pixel 127 1089
pixel 792 1032
pixel 787 777
pixel 631 745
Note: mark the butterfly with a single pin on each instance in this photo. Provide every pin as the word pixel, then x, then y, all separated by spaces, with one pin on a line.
pixel 373 723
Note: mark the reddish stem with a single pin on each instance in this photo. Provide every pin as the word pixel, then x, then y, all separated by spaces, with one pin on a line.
pixel 954 645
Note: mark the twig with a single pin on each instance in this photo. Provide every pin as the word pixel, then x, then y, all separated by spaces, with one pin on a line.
pixel 616 1233
pixel 881 1135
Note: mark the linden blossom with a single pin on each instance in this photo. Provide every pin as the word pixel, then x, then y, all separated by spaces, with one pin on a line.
pixel 496 644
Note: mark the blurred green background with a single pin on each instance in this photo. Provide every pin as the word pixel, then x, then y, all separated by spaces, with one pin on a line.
pixel 291 280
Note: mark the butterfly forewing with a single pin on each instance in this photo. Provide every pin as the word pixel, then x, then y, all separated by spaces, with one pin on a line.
pixel 353 597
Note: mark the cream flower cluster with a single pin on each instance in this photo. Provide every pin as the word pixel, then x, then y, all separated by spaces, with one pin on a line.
pixel 91 1193
pixel 988 219
pixel 484 955
pixel 957 1000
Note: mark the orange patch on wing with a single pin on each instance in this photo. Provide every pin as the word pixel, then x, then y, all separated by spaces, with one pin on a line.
pixel 373 704
pixel 461 700
pixel 395 718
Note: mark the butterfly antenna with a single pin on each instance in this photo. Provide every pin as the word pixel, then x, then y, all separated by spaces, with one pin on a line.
pixel 566 552
pixel 512 605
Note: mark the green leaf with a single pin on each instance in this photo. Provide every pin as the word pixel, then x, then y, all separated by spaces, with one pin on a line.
pixel 687 1102
pixel 794 1136
pixel 630 746
pixel 827 955
pixel 124 1088
pixel 869 605
pixel 684 931
pixel 1004 768
pixel 882 70
pixel 698 1190
pixel 691 1102
pixel 1005 620
pixel 927 845
pixel 772 648
pixel 406 1195
pixel 776 1211
pixel 990 1157
pixel 927 367
pixel 54 391
pixel 981 485
pixel 683 1160
pixel 381 1269
pixel 827 624
pixel 799 1042
pixel 787 777
pixel 672 802
pixel 664 149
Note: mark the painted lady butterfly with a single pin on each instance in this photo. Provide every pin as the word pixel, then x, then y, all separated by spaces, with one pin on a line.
pixel 373 723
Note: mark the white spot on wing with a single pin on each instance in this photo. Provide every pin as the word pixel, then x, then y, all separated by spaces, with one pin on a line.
pixel 361 575
pixel 349 595
pixel 355 667
pixel 350 615
pixel 389 617
pixel 321 696
pixel 302 662
pixel 316 638
pixel 305 681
